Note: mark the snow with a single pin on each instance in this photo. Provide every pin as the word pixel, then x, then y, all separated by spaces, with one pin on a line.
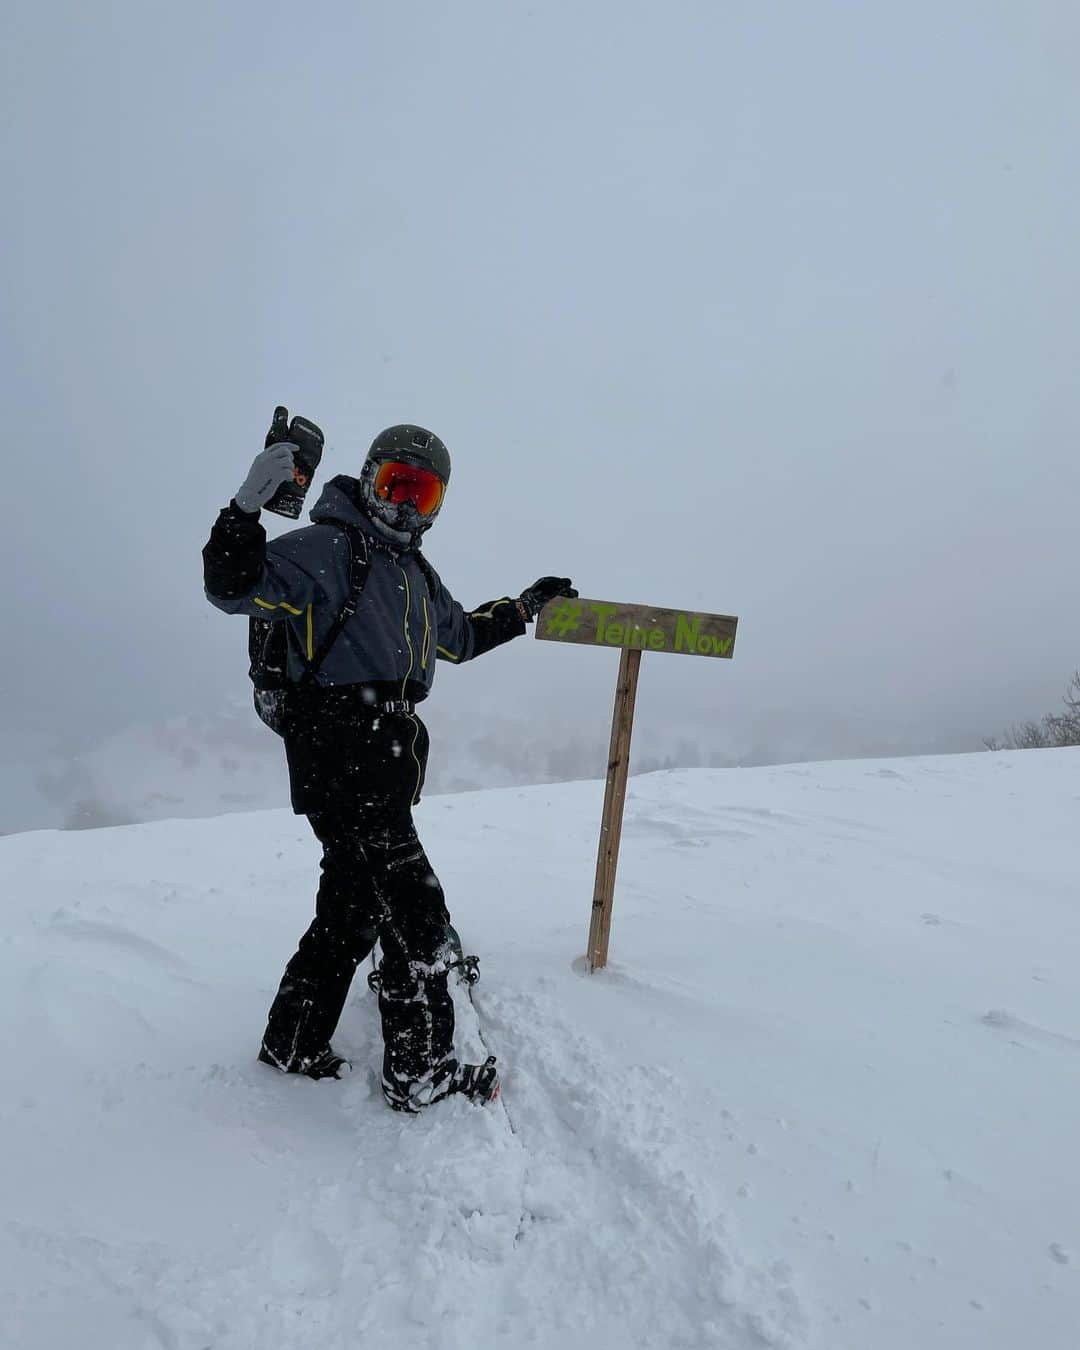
pixel 825 1095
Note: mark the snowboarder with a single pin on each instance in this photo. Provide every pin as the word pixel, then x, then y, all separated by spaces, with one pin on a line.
pixel 366 618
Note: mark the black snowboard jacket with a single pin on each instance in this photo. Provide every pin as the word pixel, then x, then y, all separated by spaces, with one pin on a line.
pixel 406 619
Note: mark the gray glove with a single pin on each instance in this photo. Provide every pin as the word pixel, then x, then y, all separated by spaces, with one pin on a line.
pixel 270 468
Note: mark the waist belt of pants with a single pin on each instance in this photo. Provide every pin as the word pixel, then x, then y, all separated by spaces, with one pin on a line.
pixel 349 700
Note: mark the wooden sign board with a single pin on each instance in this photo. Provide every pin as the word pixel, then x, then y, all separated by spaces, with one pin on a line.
pixel 630 629
pixel 598 623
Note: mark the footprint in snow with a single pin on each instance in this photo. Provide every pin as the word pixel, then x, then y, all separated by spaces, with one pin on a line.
pixel 1002 1020
pixel 114 935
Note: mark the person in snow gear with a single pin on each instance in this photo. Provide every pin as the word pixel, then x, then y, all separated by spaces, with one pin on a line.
pixel 365 618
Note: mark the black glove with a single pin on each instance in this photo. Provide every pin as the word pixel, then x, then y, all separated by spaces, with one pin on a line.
pixel 540 592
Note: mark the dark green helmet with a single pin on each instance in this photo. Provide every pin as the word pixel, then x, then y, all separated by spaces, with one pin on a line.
pixel 414 445
pixel 400 522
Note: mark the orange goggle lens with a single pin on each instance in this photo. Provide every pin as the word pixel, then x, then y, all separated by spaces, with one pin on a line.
pixel 397 482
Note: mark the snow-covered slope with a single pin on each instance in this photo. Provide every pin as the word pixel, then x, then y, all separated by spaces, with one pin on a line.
pixel 827 1094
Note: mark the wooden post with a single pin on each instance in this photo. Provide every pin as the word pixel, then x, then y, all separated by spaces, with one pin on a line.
pixel 633 629
pixel 607 860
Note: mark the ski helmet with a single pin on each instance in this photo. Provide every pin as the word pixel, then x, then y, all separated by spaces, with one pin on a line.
pixel 403 482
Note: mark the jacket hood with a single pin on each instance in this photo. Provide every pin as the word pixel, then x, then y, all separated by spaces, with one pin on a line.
pixel 343 499
pixel 338 501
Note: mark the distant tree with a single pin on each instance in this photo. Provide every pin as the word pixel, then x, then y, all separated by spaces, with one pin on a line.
pixel 1055 729
pixel 1027 736
pixel 1064 728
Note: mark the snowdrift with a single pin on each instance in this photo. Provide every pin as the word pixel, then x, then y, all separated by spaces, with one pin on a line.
pixel 827 1094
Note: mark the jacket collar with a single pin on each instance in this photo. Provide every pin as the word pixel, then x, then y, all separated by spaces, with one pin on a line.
pixel 340 500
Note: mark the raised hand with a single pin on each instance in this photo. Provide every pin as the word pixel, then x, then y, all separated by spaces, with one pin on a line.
pixel 269 469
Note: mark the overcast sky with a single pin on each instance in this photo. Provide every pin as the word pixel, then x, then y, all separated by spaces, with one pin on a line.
pixel 764 308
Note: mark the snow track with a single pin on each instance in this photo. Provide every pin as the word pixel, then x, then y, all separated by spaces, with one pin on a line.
pixel 791 1114
pixel 611 1212
pixel 445 1231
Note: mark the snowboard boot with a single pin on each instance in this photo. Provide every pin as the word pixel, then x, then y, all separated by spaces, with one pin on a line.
pixel 326 1064
pixel 478 1082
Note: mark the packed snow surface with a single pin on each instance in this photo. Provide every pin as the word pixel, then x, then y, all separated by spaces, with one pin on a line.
pixel 826 1094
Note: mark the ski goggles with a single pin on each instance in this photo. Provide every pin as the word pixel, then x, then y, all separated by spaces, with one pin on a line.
pixel 398 482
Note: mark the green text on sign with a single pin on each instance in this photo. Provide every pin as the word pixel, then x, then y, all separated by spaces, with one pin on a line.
pixel 598 623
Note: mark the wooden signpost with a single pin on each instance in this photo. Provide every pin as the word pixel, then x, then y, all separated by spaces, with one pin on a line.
pixel 632 629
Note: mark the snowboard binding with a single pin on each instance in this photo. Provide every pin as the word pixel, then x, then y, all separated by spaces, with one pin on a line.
pixel 479 1082
pixel 468 967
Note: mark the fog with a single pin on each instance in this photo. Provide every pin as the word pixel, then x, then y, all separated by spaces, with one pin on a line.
pixel 769 309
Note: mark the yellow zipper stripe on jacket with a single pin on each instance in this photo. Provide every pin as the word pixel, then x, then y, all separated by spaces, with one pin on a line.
pixel 405 627
pixel 404 683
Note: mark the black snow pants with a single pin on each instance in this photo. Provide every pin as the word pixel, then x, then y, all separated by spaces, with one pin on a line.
pixel 356 774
